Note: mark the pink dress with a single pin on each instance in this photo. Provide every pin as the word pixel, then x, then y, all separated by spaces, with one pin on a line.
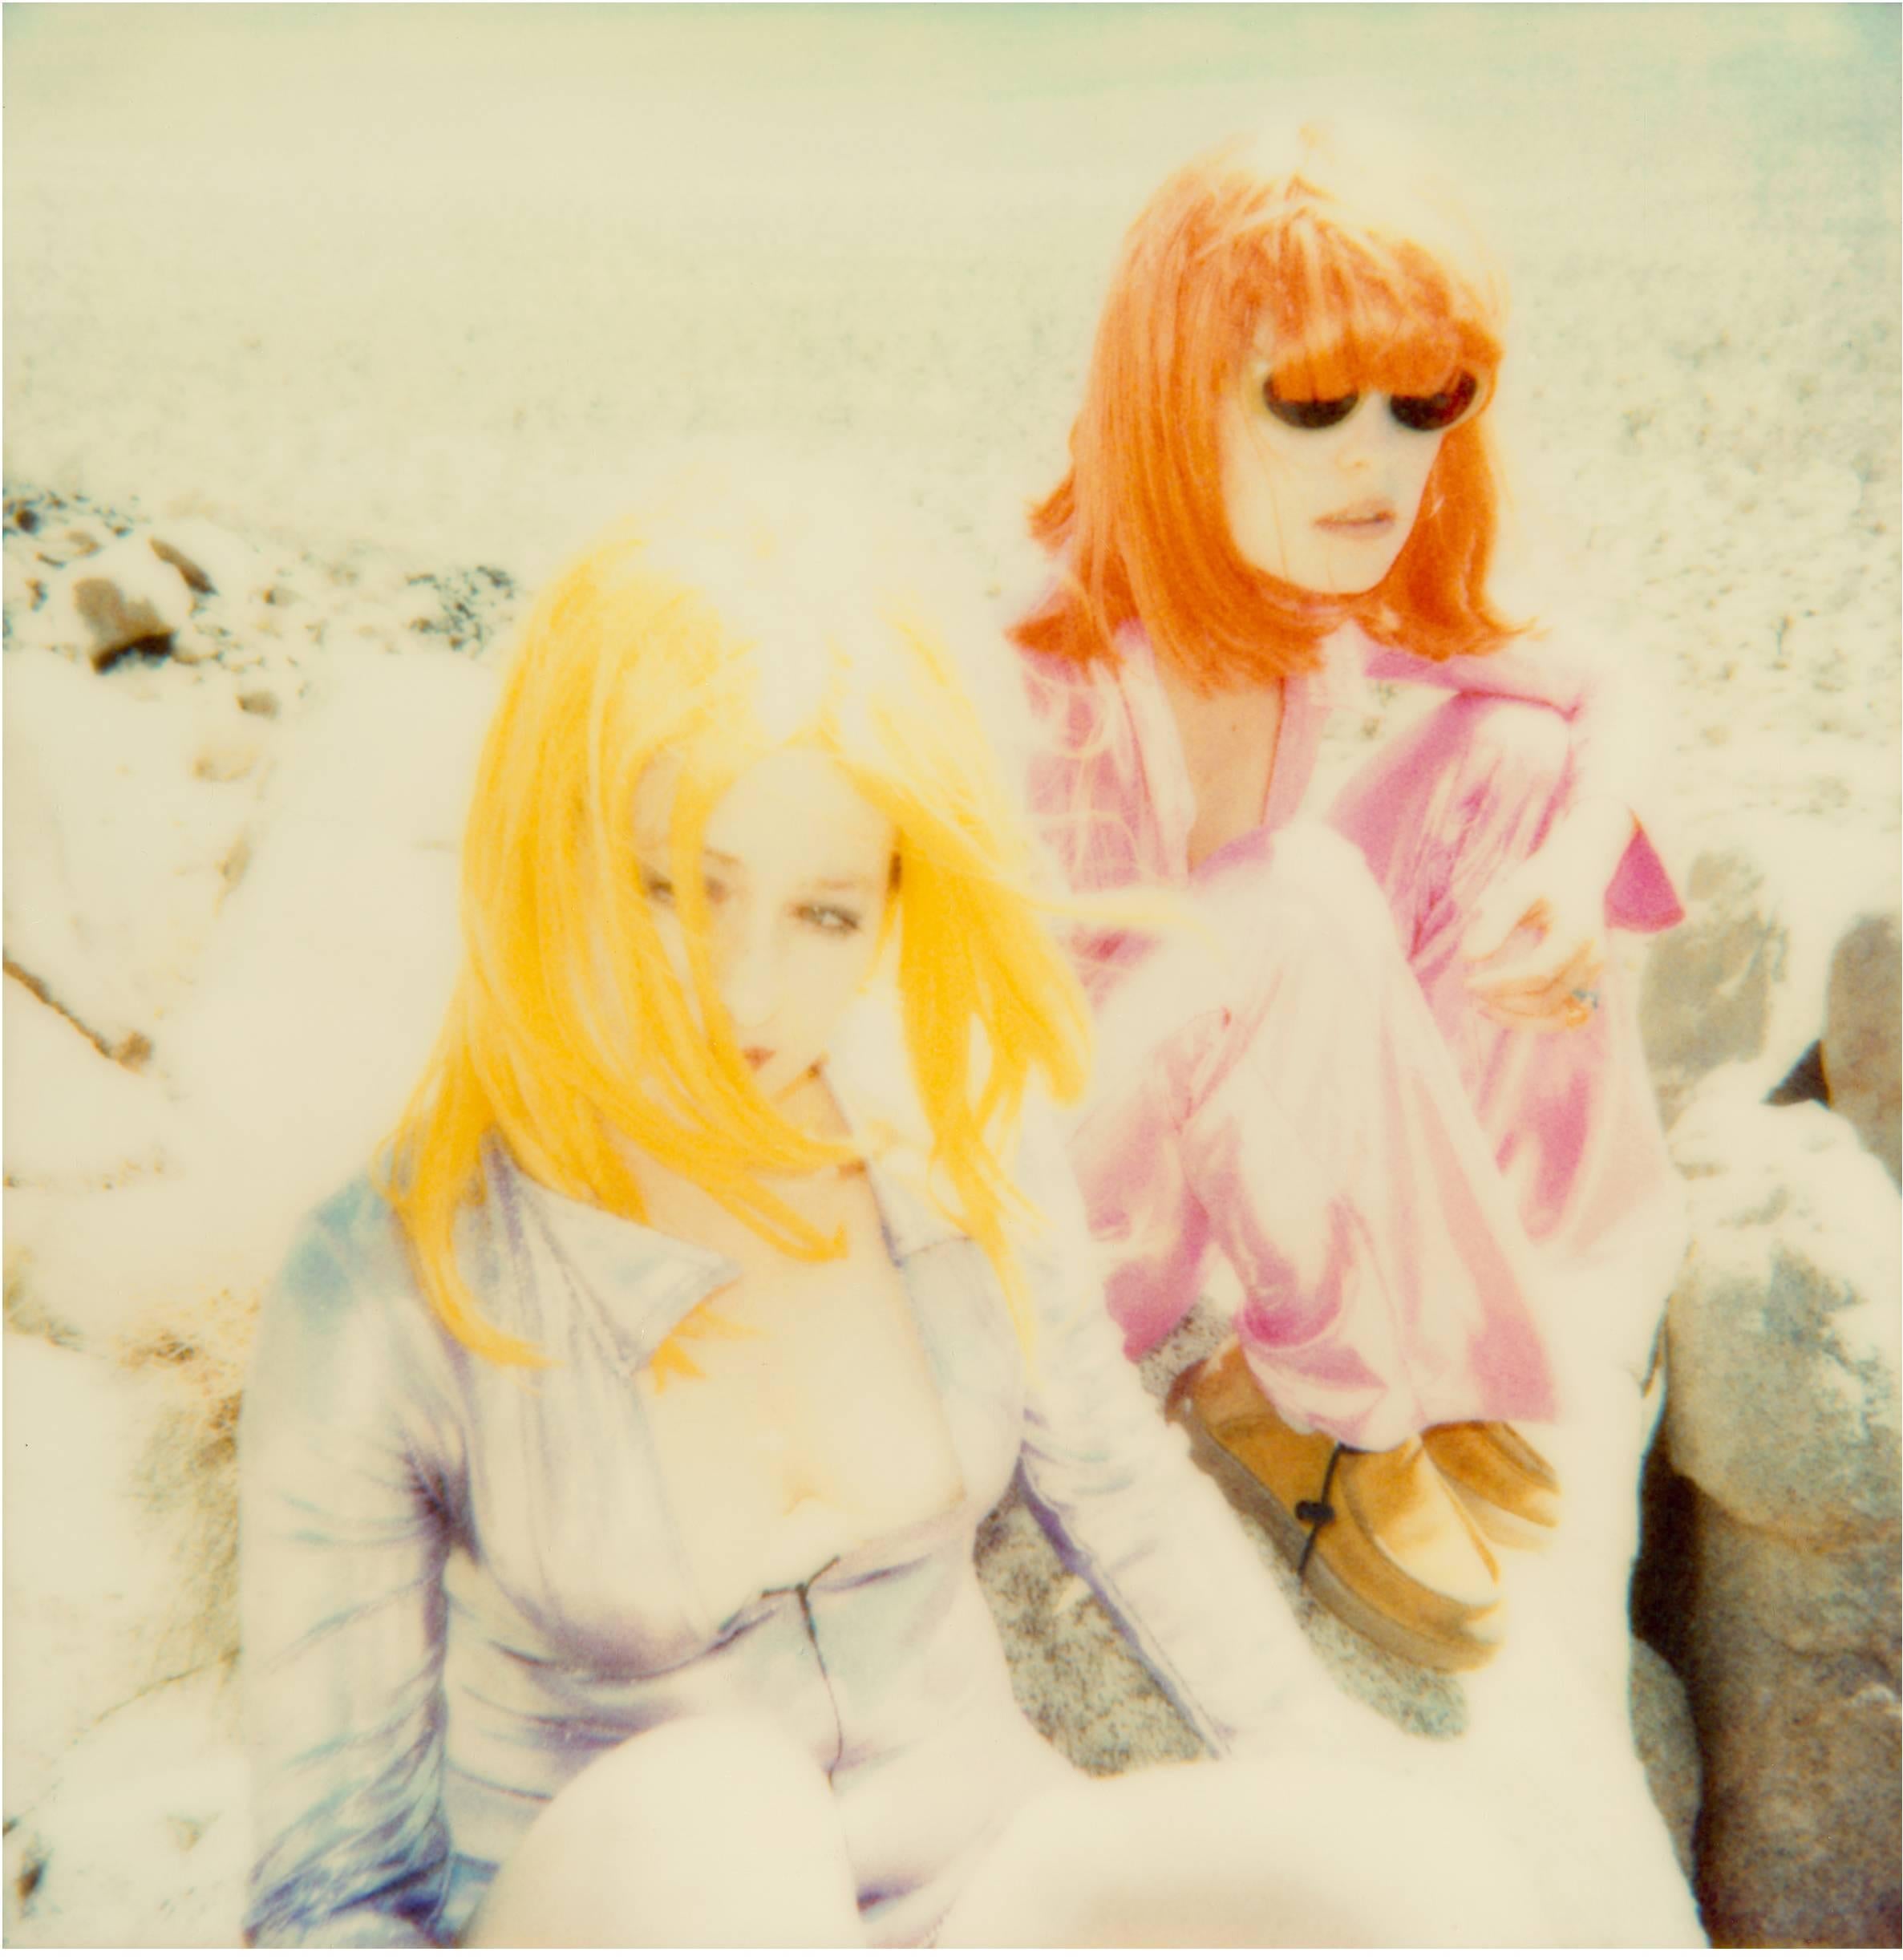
pixel 1290 1074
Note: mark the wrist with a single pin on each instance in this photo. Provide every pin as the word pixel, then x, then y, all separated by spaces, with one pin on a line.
pixel 1595 832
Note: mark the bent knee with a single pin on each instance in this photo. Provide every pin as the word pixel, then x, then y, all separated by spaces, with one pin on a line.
pixel 718 1760
pixel 1325 897
pixel 641 1846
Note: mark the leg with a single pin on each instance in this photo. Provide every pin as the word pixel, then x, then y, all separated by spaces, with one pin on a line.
pixel 1388 1284
pixel 1128 1160
pixel 703 1833
pixel 1298 1113
pixel 1294 1851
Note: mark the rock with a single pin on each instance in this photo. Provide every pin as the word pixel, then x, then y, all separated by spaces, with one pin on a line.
pixel 349 899
pixel 114 847
pixel 99 1268
pixel 62 547
pixel 1794 1658
pixel 1783 1415
pixel 88 1584
pixel 1741 983
pixel 210 558
pixel 1706 996
pixel 71 1113
pixel 1782 1335
pixel 143 1838
pixel 116 598
pixel 1863 1006
pixel 25 586
pixel 1667 1741
pixel 227 755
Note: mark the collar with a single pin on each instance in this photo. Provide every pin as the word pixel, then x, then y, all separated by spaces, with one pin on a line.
pixel 644 1282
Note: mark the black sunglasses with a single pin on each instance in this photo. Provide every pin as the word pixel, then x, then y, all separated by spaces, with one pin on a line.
pixel 1428 415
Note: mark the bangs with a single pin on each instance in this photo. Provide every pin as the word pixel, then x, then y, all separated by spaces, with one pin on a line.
pixel 1352 315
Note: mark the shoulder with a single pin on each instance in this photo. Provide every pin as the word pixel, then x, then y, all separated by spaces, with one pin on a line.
pixel 347 1251
pixel 345 1314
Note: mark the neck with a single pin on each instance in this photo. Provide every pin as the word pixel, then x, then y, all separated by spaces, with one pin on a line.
pixel 1229 738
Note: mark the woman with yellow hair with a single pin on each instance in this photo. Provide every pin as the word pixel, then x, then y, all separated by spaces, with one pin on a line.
pixel 1394 1083
pixel 612 1460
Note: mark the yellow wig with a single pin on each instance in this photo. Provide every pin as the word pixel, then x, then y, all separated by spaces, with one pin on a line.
pixel 725 624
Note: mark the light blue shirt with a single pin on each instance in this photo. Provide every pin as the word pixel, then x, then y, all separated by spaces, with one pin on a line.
pixel 462 1582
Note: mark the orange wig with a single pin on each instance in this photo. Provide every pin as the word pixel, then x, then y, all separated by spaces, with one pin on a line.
pixel 1360 283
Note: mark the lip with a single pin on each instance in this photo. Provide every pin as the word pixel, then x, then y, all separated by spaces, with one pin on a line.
pixel 1373 519
pixel 756 1058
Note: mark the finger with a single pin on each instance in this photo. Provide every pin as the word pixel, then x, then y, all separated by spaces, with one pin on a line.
pixel 1505 909
pixel 1567 1019
pixel 1549 966
pixel 1568 1004
pixel 1573 988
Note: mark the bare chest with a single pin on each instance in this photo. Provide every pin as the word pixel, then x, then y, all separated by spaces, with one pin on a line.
pixel 814 1425
pixel 1229 742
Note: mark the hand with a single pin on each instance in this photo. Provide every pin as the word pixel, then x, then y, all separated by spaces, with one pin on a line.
pixel 1536 947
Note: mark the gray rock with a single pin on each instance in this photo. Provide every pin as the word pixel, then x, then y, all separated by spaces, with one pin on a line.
pixel 1667 1740
pixel 1709 992
pixel 143 1837
pixel 1783 1334
pixel 1740 984
pixel 1783 1413
pixel 210 558
pixel 1794 1666
pixel 117 597
pixel 1863 1008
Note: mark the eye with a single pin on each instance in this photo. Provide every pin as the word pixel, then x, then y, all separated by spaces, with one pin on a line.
pixel 1430 414
pixel 841 920
pixel 659 889
pixel 1307 415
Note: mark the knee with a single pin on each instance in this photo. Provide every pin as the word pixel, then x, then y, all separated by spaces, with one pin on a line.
pixel 725 1769
pixel 1327 901
pixel 642 1844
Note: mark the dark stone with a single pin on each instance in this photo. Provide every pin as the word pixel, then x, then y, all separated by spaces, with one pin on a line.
pixel 1805 1083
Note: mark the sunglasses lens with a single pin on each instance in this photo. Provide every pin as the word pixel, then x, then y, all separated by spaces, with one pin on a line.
pixel 1432 413
pixel 1308 414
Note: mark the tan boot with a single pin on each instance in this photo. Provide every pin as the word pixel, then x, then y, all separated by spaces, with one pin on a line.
pixel 1512 1491
pixel 1376 1534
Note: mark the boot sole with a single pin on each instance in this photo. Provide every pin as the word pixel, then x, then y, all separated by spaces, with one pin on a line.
pixel 1409 1643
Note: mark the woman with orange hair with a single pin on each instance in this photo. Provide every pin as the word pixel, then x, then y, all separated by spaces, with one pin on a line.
pixel 1391 1079
pixel 611 1459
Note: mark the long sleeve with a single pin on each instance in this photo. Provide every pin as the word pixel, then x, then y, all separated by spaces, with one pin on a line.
pixel 1614 730
pixel 1115 1487
pixel 341 1551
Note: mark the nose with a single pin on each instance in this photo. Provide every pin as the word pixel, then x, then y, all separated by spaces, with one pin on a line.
pixel 749 983
pixel 1366 437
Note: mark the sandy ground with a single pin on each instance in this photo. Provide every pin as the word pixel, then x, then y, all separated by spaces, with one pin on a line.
pixel 390 292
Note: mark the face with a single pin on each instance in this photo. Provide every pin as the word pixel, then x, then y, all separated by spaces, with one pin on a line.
pixel 798 868
pixel 1326 509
